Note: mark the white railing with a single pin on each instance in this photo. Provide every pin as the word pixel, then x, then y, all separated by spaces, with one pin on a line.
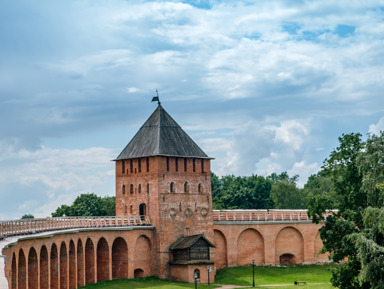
pixel 32 226
pixel 261 215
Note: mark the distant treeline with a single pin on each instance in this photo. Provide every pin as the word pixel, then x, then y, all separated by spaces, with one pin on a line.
pixel 277 191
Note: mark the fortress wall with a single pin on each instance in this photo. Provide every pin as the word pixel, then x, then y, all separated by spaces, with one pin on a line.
pixel 70 259
pixel 73 259
pixel 238 243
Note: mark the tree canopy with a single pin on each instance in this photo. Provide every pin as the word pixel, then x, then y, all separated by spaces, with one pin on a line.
pixel 88 205
pixel 256 192
pixel 354 233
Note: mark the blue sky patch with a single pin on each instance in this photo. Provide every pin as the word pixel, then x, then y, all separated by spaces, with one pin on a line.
pixel 345 30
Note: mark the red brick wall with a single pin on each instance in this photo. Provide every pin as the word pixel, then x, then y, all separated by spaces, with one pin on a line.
pixel 266 242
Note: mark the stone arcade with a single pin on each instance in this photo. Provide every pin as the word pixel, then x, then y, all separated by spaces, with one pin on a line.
pixel 164 224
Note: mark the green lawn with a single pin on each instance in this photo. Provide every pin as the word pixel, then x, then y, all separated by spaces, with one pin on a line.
pixel 275 275
pixel 149 283
pixel 316 276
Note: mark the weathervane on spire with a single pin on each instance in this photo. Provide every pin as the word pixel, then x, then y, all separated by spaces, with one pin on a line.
pixel 156 98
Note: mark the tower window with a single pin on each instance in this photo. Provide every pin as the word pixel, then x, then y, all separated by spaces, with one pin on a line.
pixel 131 209
pixel 147 160
pixel 123 166
pixel 131 189
pixel 147 188
pixel 142 209
pixel 125 210
pixel 185 165
pixel 172 187
pixel 139 160
pixel 194 165
pixel 202 165
pixel 176 164
pixel 186 187
pixel 123 188
pixel 200 188
pixel 131 166
pixel 139 188
pixel 167 163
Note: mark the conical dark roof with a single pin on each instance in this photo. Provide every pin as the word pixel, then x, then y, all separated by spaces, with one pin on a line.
pixel 161 136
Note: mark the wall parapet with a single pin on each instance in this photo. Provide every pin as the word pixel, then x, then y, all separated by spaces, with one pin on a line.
pixel 261 215
pixel 32 226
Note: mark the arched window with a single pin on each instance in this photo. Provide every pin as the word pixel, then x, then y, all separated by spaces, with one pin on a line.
pixel 147 188
pixel 172 187
pixel 200 188
pixel 139 188
pixel 125 210
pixel 131 189
pixel 131 209
pixel 142 210
pixel 186 187
pixel 123 189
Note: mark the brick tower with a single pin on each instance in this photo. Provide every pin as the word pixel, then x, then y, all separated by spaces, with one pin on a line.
pixel 163 173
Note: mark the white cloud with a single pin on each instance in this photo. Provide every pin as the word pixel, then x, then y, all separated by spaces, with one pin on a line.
pixel 258 84
pixel 264 148
pixel 52 177
pixel 304 170
pixel 377 128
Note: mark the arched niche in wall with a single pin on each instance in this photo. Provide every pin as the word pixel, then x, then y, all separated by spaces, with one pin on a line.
pixel 289 241
pixel 250 246
pixel 220 242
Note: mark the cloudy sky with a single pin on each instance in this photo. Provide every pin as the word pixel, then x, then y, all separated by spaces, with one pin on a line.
pixel 261 86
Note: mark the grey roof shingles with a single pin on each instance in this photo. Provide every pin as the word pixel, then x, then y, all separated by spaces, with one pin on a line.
pixel 187 242
pixel 160 135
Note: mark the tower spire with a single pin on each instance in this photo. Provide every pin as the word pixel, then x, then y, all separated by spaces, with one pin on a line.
pixel 156 98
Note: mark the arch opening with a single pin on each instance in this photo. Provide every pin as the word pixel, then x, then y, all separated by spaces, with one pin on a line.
pixel 119 259
pixel 287 259
pixel 32 269
pixel 80 264
pixel 54 272
pixel 13 272
pixel 21 276
pixel 102 260
pixel 138 273
pixel 196 275
pixel 89 262
pixel 72 265
pixel 44 268
pixel 63 265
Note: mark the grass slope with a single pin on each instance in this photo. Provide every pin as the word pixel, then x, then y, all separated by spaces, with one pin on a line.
pixel 148 282
pixel 316 276
pixel 274 275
